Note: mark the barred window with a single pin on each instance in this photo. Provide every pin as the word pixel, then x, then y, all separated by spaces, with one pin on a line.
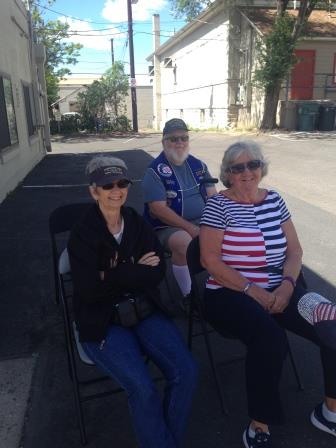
pixel 8 128
pixel 30 110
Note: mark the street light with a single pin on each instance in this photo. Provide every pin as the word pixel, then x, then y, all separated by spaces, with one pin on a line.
pixel 132 71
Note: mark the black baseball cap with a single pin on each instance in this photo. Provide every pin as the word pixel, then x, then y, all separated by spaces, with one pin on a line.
pixel 175 124
pixel 107 174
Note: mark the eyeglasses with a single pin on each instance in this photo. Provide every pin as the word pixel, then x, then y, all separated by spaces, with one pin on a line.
pixel 176 139
pixel 251 165
pixel 122 183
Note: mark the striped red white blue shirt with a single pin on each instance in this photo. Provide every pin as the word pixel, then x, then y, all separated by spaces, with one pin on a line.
pixel 253 237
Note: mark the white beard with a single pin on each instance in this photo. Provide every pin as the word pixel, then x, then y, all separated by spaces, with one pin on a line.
pixel 176 157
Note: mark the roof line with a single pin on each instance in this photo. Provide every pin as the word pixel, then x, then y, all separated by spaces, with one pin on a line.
pixel 187 29
pixel 251 23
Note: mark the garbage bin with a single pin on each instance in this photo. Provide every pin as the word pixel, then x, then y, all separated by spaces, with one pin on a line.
pixel 288 114
pixel 308 113
pixel 327 118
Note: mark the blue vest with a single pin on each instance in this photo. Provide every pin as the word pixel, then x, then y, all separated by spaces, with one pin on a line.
pixel 165 171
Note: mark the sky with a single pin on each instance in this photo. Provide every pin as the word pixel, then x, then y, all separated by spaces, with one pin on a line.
pixel 95 22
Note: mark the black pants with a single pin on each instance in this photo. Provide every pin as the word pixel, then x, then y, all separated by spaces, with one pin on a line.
pixel 236 314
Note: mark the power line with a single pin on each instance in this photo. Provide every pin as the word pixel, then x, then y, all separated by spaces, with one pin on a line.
pixel 96 23
pixel 45 28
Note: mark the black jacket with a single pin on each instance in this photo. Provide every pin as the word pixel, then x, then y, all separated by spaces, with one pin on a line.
pixel 91 247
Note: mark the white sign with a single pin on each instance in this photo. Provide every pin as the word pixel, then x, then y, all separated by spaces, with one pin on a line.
pixel 133 82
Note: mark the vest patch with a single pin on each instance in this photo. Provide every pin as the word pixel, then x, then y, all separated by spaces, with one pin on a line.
pixel 164 170
pixel 171 194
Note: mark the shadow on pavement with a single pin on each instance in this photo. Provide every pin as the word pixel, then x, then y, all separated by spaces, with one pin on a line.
pixel 31 323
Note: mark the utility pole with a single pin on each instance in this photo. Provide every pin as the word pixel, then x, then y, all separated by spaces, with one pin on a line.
pixel 112 52
pixel 132 71
pixel 157 74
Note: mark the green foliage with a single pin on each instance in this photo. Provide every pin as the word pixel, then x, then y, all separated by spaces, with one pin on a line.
pixel 104 101
pixel 92 101
pixel 115 86
pixel 189 8
pixel 276 53
pixel 67 125
pixel 52 34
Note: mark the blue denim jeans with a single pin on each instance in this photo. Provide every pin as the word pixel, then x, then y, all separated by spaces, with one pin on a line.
pixel 157 422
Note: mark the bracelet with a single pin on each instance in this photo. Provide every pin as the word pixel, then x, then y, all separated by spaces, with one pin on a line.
pixel 289 279
pixel 247 287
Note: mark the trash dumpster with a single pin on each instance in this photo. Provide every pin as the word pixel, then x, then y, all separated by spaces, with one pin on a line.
pixel 308 113
pixel 326 120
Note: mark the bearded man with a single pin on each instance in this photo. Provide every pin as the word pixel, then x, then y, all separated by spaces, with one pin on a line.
pixel 175 192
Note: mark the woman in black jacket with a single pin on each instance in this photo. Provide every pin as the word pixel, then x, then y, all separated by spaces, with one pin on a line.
pixel 114 254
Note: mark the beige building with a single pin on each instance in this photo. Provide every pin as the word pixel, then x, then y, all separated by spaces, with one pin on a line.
pixel 70 87
pixel 204 73
pixel 24 125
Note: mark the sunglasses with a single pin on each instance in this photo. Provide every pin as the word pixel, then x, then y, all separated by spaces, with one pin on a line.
pixel 251 165
pixel 122 183
pixel 176 139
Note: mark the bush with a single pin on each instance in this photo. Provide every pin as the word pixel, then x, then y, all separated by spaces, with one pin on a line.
pixel 121 123
pixel 68 125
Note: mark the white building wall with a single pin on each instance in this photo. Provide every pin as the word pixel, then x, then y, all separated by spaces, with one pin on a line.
pixel 195 87
pixel 144 106
pixel 15 63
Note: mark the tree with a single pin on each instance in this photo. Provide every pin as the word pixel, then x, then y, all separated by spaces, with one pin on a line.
pixel 104 99
pixel 276 51
pixel 276 55
pixel 52 34
pixel 115 86
pixel 189 8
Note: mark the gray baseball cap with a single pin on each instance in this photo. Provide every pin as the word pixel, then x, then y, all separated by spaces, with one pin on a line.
pixel 175 124
pixel 107 174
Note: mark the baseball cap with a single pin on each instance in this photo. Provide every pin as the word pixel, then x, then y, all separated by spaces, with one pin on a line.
pixel 175 124
pixel 107 174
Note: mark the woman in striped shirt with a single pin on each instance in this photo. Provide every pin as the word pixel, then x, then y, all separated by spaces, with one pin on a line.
pixel 251 250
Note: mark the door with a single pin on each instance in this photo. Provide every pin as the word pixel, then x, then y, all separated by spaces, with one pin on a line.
pixel 302 77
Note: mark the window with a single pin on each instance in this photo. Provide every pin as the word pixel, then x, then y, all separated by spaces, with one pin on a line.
pixel 8 129
pixel 30 110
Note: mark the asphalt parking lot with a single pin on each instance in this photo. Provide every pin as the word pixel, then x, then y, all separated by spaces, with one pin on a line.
pixel 37 409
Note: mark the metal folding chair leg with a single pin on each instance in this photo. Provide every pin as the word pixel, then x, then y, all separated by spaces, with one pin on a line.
pixel 205 334
pixel 214 369
pixel 295 369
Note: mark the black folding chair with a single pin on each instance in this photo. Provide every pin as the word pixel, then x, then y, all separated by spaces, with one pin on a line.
pixel 61 221
pixel 196 314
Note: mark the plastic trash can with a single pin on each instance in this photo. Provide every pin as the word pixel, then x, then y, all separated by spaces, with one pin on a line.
pixel 327 118
pixel 308 114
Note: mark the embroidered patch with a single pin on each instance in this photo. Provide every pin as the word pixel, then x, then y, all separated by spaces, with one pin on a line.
pixel 171 194
pixel 200 173
pixel 113 170
pixel 164 170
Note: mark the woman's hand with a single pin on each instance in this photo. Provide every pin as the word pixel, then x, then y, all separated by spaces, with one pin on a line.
pixel 283 293
pixel 265 298
pixel 149 259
